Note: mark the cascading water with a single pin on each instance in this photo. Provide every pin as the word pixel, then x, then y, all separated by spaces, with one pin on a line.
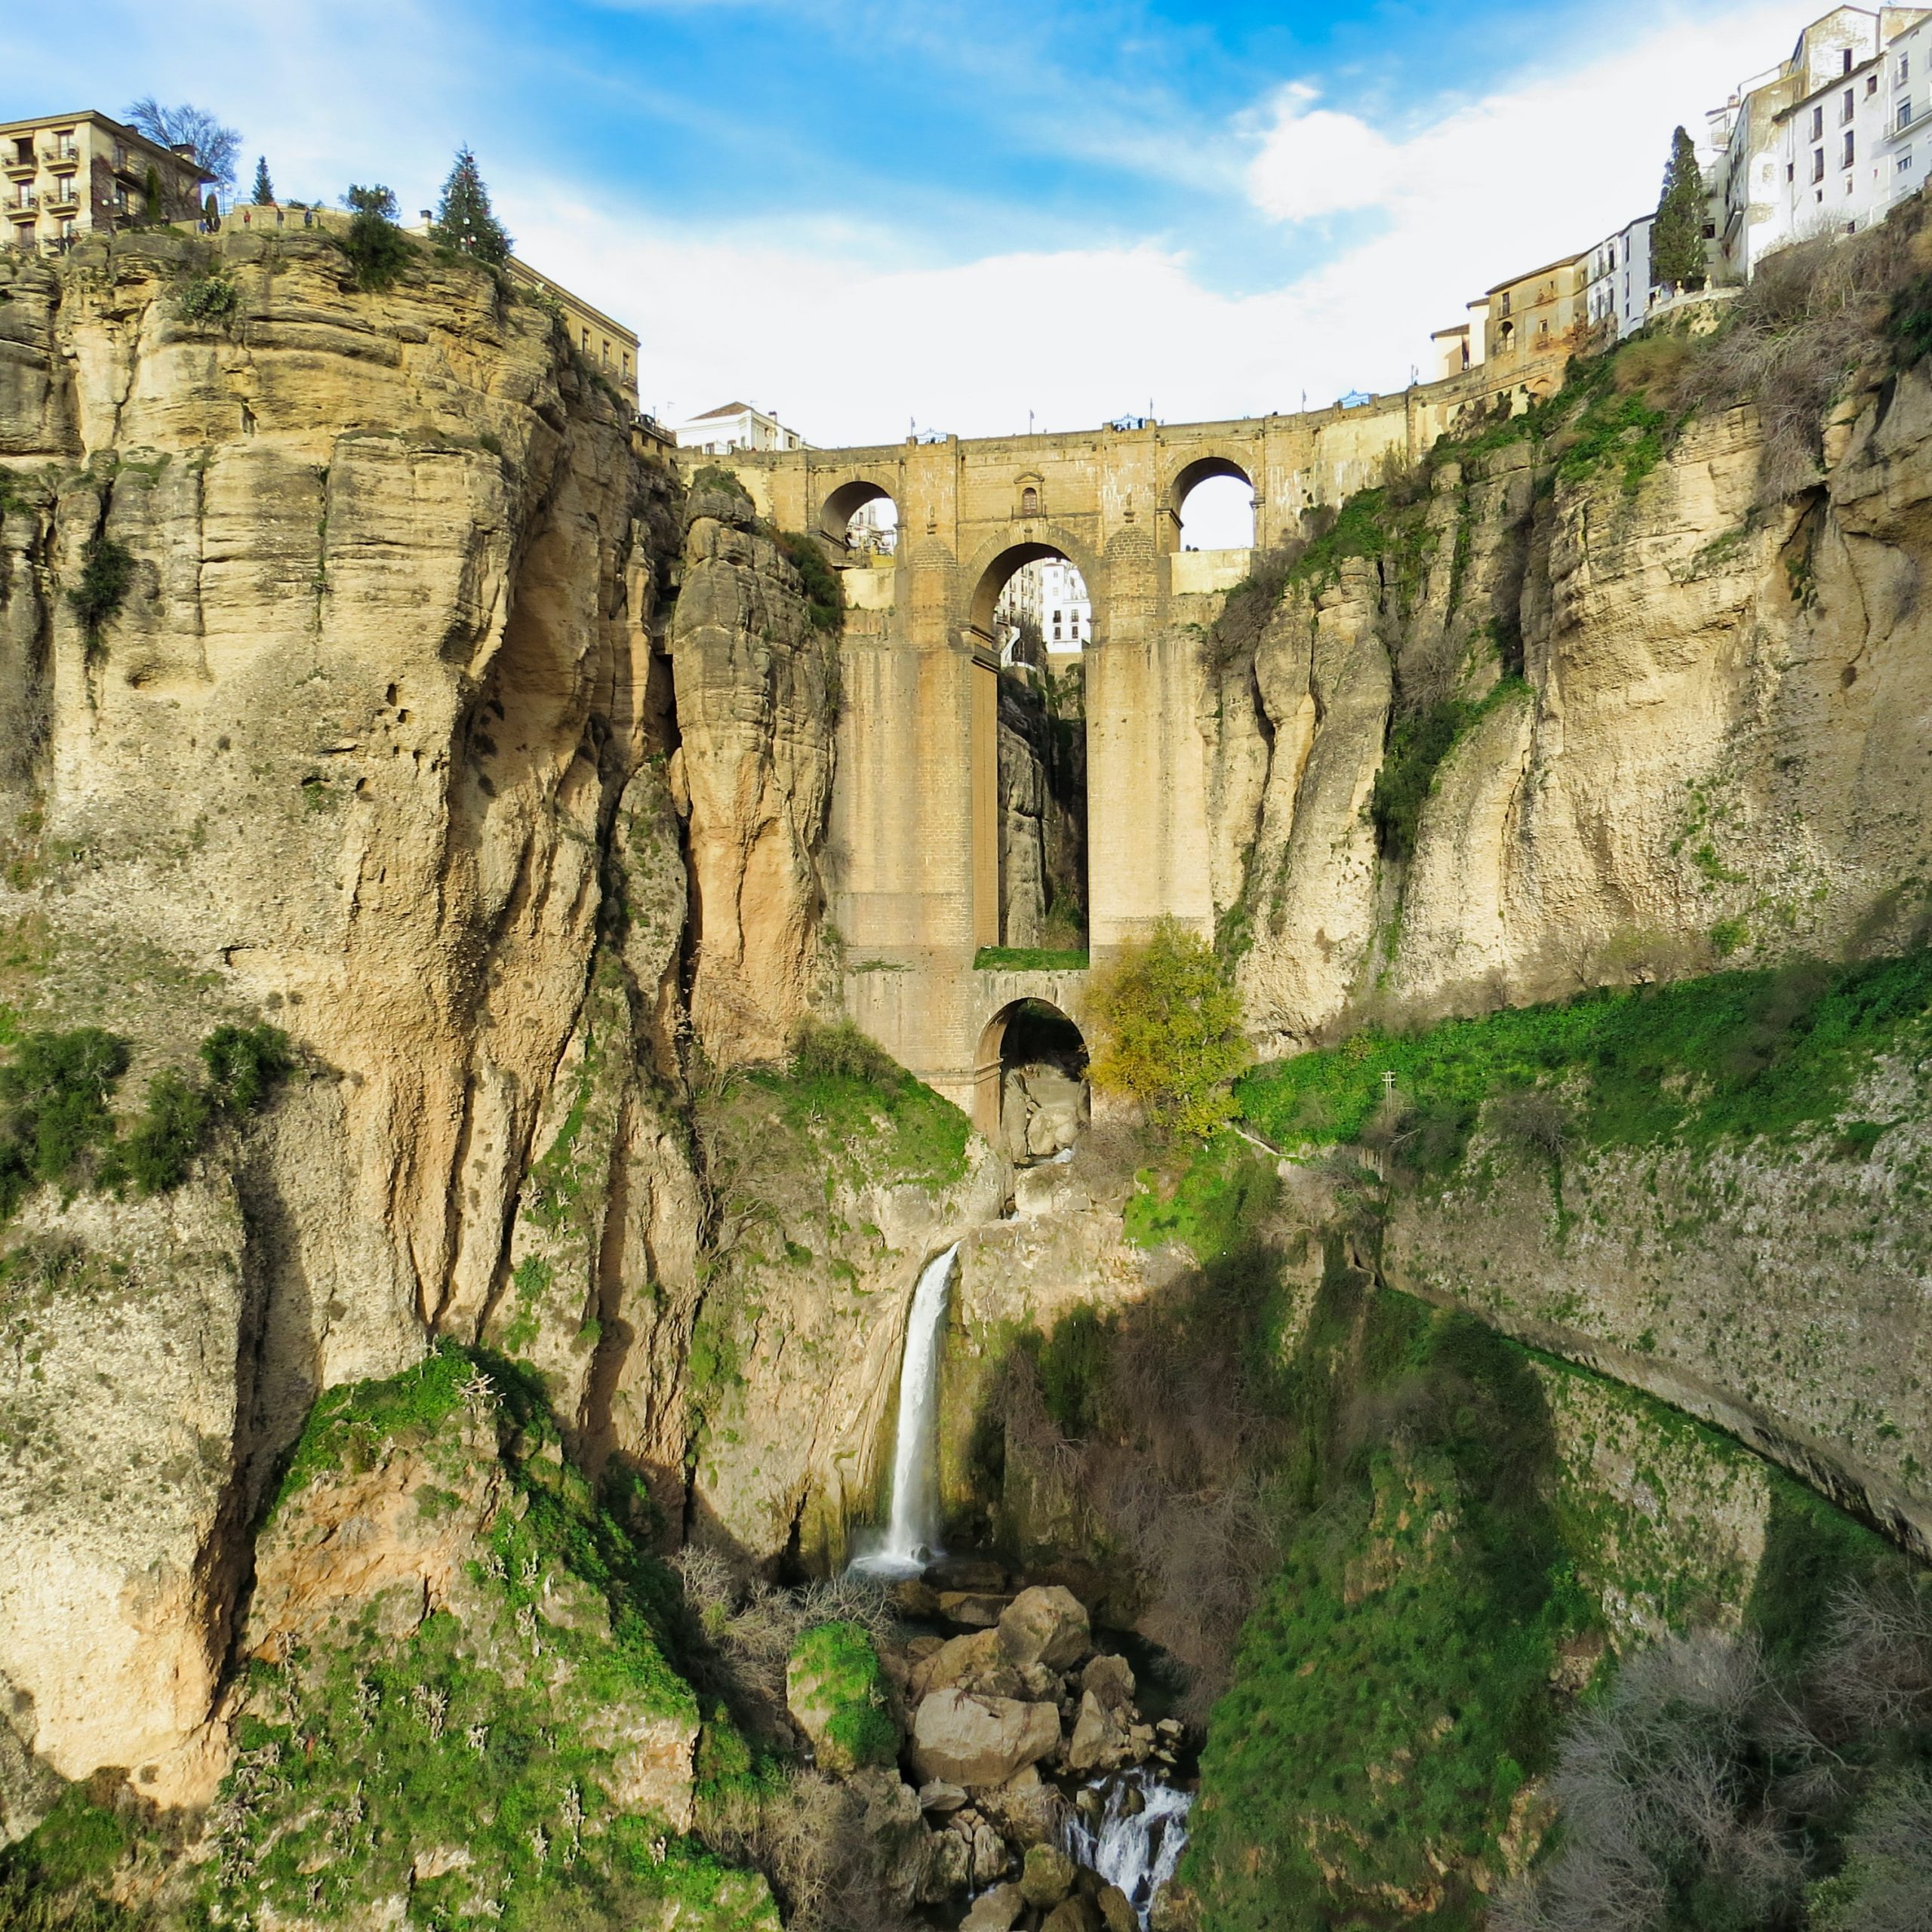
pixel 911 1536
pixel 1139 1849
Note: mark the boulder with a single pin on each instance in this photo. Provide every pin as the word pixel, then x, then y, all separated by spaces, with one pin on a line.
pixel 994 1911
pixel 1116 1910
pixel 991 1858
pixel 1026 1808
pixel 893 1829
pixel 938 1796
pixel 960 1737
pixel 1047 1876
pixel 978 1610
pixel 1045 1626
pixel 911 1598
pixel 1110 1679
pixel 949 1867
pixel 966 1573
pixel 1102 1740
pixel 975 1662
pixel 1073 1914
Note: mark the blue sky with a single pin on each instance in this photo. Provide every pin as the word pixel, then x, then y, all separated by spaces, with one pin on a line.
pixel 864 215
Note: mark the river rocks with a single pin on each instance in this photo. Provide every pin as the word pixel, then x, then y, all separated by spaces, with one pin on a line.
pixel 1109 1679
pixel 994 1911
pixel 1045 1626
pixel 1116 1910
pixel 961 1738
pixel 1027 1808
pixel 1073 1914
pixel 1101 1739
pixel 978 1609
pixel 949 1867
pixel 894 1831
pixel 940 1797
pixel 1043 1111
pixel 974 1662
pixel 1047 1876
pixel 991 1859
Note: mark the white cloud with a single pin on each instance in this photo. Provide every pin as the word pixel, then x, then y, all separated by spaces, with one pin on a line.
pixel 1418 222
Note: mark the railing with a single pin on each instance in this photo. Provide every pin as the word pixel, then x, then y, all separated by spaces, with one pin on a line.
pixel 59 157
pixel 26 200
pixel 56 199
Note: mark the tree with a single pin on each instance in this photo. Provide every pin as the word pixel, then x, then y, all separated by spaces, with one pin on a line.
pixel 379 249
pixel 264 194
pixel 214 147
pixel 463 220
pixel 1677 241
pixel 1170 1033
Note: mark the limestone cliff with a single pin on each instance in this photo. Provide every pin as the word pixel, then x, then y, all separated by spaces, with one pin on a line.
pixel 1688 725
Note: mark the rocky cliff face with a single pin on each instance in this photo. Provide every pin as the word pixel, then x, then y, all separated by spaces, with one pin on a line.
pixel 1689 725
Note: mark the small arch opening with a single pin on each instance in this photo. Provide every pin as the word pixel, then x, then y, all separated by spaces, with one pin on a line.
pixel 860 519
pixel 1214 505
pixel 1044 1102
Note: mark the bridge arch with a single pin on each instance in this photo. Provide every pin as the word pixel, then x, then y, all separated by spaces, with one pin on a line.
pixel 1226 507
pixel 989 573
pixel 1032 1087
pixel 836 513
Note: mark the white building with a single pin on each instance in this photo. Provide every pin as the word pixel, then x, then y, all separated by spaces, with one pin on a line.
pixel 1810 146
pixel 737 426
pixel 1618 291
pixel 1053 594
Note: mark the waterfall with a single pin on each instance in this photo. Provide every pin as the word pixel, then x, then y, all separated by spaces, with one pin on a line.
pixel 1136 1850
pixel 912 1538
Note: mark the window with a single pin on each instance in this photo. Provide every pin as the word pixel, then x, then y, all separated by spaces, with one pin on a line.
pixel 1818 123
pixel 1904 73
pixel 1871 84
pixel 1849 139
pixel 1791 170
pixel 1848 107
pixel 1846 56
pixel 1905 111
pixel 1817 163
pixel 1904 162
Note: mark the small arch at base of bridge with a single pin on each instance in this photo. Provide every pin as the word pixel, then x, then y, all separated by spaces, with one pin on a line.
pixel 1029 1082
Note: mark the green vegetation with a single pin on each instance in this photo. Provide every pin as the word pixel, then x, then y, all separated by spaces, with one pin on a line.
pixel 464 223
pixel 1418 743
pixel 845 1094
pixel 56 1879
pixel 1028 959
pixel 58 1126
pixel 1733 1055
pixel 377 249
pixel 1429 1589
pixel 208 298
pixel 498 1726
pixel 1169 1024
pixel 1210 1204
pixel 825 590
pixel 712 476
pixel 836 1666
pixel 107 574
pixel 1678 259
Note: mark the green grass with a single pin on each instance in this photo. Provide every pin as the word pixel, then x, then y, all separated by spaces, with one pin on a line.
pixel 1029 959
pixel 57 1878
pixel 1209 1206
pixel 494 1725
pixel 1731 1056
pixel 836 1664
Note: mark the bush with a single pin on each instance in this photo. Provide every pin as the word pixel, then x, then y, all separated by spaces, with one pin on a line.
pixel 839 1051
pixel 825 591
pixel 164 1141
pixel 1169 1024
pixel 54 1106
pixel 212 298
pixel 376 248
pixel 1417 745
pixel 245 1062
pixel 107 574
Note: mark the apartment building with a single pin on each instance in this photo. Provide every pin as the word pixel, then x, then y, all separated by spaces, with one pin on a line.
pixel 1534 323
pixel 1617 291
pixel 1809 146
pixel 736 425
pixel 69 174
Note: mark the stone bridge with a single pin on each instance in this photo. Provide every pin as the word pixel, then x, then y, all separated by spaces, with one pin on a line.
pixel 914 853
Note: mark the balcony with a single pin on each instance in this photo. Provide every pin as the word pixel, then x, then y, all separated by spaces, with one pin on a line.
pixel 65 156
pixel 17 164
pixel 62 198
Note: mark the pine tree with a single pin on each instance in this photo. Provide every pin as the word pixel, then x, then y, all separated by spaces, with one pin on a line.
pixel 1677 241
pixel 464 220
pixel 264 192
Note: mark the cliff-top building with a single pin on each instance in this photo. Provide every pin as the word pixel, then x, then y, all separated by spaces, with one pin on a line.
pixel 69 174
pixel 733 426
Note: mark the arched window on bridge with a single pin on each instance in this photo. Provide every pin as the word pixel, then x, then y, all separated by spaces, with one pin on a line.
pixel 1033 608
pixel 862 520
pixel 1041 1104
pixel 1213 503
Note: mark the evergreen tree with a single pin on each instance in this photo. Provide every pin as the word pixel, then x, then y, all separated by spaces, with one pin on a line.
pixel 1677 242
pixel 264 190
pixel 464 220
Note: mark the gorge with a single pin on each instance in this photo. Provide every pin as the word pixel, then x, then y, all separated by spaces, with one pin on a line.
pixel 508 1138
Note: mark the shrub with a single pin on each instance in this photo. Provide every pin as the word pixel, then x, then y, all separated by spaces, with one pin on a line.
pixel 164 1141
pixel 107 574
pixel 837 1050
pixel 54 1106
pixel 1417 745
pixel 825 592
pixel 212 298
pixel 1170 1035
pixel 376 248
pixel 1236 633
pixel 245 1062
